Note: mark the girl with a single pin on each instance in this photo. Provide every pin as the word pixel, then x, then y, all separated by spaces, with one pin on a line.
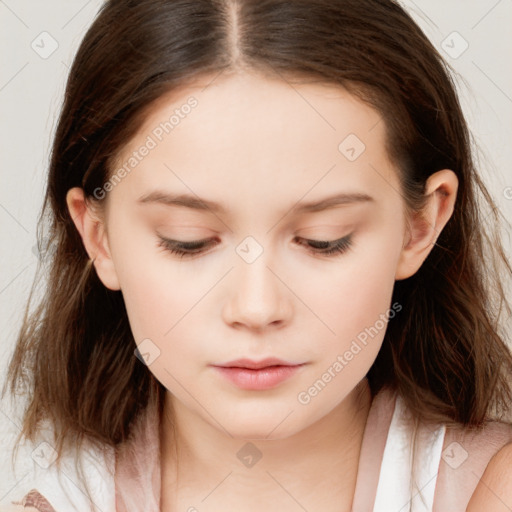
pixel 271 286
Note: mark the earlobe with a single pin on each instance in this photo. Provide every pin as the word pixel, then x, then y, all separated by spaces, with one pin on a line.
pixel 91 227
pixel 426 226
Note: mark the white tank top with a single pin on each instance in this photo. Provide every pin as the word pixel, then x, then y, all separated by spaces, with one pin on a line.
pixel 395 492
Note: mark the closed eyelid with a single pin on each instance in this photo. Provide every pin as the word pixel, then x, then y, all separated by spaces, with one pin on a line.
pixel 198 248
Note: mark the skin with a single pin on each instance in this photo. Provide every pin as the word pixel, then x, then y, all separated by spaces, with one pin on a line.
pixel 494 490
pixel 258 145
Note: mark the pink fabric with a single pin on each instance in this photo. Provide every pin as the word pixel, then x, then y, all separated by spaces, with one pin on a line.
pixel 137 476
pixel 372 450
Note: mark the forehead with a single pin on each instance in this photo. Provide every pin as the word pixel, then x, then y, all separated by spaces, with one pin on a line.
pixel 238 138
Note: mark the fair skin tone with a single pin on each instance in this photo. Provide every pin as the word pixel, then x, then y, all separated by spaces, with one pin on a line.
pixel 494 490
pixel 258 147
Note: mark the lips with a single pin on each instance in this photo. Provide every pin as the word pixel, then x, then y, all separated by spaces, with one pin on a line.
pixel 257 365
pixel 260 375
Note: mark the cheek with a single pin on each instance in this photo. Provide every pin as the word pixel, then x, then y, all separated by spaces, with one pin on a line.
pixel 352 293
pixel 163 314
pixel 160 301
pixel 158 292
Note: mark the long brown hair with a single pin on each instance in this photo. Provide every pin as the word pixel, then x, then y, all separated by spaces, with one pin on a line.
pixel 445 353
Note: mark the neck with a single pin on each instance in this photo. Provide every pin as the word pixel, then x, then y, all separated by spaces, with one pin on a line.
pixel 315 468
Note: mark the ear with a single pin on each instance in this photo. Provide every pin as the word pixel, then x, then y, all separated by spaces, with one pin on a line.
pixel 91 227
pixel 426 226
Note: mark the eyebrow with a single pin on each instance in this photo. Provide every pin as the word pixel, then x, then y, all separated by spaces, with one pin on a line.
pixel 197 203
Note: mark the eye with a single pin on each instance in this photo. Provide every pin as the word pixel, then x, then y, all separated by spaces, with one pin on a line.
pixel 323 248
pixel 328 248
pixel 183 249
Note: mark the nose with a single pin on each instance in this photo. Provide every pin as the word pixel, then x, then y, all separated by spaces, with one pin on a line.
pixel 258 298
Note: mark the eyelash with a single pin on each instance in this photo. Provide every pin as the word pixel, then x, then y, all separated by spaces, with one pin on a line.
pixel 189 249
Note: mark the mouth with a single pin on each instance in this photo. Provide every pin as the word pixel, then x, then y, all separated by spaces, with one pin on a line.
pixel 258 375
pixel 257 365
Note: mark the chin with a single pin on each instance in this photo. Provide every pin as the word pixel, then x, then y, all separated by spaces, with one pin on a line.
pixel 253 425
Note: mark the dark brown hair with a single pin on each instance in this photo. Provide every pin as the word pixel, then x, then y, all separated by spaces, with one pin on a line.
pixel 445 352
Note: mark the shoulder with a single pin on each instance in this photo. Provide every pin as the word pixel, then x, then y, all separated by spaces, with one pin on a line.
pixel 468 455
pixel 494 490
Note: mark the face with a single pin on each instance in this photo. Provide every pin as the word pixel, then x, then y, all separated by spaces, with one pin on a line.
pixel 246 266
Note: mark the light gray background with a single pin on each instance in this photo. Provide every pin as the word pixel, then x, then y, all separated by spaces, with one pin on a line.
pixel 31 88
